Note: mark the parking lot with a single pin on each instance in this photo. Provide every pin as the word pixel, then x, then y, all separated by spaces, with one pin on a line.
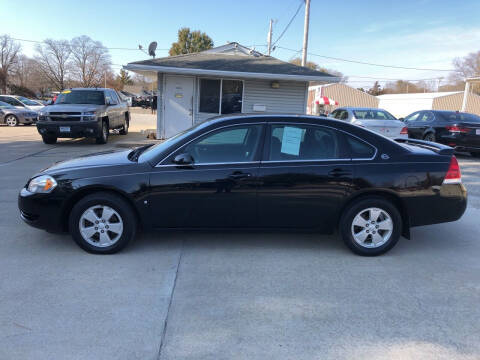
pixel 235 295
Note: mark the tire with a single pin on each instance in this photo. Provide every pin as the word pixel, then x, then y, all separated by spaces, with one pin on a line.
pixel 475 154
pixel 429 137
pixel 103 137
pixel 351 224
pixel 124 129
pixel 11 120
pixel 112 212
pixel 49 139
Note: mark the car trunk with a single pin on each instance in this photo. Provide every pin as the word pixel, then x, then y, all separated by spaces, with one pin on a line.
pixel 390 128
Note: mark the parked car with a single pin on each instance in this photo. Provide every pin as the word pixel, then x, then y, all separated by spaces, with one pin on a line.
pixel 84 112
pixel 456 129
pixel 21 102
pixel 12 116
pixel 252 171
pixel 377 120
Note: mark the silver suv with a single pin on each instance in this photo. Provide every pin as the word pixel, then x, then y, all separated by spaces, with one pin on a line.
pixel 83 112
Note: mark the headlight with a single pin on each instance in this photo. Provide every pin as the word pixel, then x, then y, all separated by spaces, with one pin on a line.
pixel 90 113
pixel 42 184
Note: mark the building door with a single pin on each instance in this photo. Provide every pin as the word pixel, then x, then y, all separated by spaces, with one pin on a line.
pixel 178 104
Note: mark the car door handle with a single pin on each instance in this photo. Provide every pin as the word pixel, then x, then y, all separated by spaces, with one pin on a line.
pixel 339 172
pixel 239 175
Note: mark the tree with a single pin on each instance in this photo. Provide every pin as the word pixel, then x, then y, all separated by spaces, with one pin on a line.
pixel 466 67
pixel 9 51
pixel 190 42
pixel 124 79
pixel 53 58
pixel 90 61
pixel 314 66
pixel 376 89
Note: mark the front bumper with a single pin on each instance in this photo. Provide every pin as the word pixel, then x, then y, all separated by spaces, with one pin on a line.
pixel 42 211
pixel 77 128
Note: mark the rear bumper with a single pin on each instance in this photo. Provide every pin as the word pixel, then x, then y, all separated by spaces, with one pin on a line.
pixel 447 204
pixel 42 211
pixel 462 142
pixel 77 128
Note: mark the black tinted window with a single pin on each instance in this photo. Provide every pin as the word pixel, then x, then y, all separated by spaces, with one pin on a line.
pixel 209 96
pixel 95 97
pixel 232 92
pixel 235 144
pixel 359 149
pixel 454 117
pixel 303 142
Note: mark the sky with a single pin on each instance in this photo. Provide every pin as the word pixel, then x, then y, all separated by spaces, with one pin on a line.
pixel 411 33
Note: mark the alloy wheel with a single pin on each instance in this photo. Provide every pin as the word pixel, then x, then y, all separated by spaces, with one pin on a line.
pixel 101 226
pixel 11 120
pixel 372 227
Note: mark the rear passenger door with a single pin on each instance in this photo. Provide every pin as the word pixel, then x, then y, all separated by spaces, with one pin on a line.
pixel 304 176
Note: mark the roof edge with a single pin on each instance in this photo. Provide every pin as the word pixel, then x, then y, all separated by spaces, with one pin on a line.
pixel 240 74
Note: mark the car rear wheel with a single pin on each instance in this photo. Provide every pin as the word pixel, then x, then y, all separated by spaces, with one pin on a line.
pixel 429 137
pixel 49 139
pixel 103 137
pixel 102 223
pixel 371 226
pixel 11 120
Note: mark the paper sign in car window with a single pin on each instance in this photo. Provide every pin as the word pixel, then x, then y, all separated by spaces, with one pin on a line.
pixel 292 137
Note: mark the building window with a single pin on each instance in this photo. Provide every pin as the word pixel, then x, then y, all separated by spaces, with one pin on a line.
pixel 221 96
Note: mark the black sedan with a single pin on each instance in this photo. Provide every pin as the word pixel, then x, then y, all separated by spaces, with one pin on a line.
pixel 456 129
pixel 253 171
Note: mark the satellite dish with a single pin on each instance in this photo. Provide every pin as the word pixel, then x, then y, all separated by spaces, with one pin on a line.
pixel 151 48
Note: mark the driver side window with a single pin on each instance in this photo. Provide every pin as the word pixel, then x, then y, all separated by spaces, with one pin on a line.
pixel 230 145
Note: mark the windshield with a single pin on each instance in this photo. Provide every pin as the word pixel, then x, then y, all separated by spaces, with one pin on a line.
pixel 4 105
pixel 163 146
pixel 373 115
pixel 81 97
pixel 27 101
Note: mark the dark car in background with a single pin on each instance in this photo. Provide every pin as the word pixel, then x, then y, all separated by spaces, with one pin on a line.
pixel 84 112
pixel 456 129
pixel 253 171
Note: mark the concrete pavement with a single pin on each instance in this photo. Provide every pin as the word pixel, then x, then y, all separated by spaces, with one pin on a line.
pixel 231 295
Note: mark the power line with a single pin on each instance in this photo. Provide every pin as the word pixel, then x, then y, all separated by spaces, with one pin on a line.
pixel 368 63
pixel 289 23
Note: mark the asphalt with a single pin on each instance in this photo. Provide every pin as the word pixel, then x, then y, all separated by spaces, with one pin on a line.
pixel 231 295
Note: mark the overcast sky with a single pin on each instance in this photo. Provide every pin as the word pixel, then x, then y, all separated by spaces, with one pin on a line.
pixel 410 33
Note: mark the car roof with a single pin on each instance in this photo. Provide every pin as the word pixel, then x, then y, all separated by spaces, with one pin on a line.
pixel 99 89
pixel 359 108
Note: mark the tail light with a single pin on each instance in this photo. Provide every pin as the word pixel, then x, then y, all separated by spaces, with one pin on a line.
pixel 456 129
pixel 453 174
pixel 404 131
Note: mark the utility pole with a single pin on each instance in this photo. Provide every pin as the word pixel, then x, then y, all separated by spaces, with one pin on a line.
pixel 269 38
pixel 305 32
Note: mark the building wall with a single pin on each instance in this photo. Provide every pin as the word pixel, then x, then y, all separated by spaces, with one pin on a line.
pixel 344 94
pixel 454 102
pixel 290 97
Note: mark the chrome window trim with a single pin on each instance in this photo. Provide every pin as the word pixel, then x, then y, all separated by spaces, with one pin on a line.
pixel 332 128
pixel 300 161
pixel 159 164
pixel 210 164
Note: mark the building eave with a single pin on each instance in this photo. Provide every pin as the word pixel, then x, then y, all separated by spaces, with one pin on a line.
pixel 220 73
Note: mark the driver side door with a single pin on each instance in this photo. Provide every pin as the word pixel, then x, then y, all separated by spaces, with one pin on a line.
pixel 218 189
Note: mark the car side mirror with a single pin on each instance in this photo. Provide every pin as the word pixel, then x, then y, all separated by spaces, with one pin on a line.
pixel 402 119
pixel 183 159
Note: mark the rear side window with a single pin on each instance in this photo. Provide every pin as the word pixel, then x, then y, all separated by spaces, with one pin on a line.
pixel 359 149
pixel 303 142
pixel 454 117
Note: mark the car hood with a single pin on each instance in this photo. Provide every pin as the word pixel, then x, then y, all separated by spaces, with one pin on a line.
pixel 16 111
pixel 103 159
pixel 72 108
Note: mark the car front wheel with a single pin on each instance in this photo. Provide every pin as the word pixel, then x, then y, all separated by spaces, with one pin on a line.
pixel 102 223
pixel 371 226
pixel 11 120
pixel 103 137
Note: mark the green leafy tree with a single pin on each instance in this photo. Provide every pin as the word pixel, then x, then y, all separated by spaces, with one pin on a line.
pixel 190 42
pixel 124 79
